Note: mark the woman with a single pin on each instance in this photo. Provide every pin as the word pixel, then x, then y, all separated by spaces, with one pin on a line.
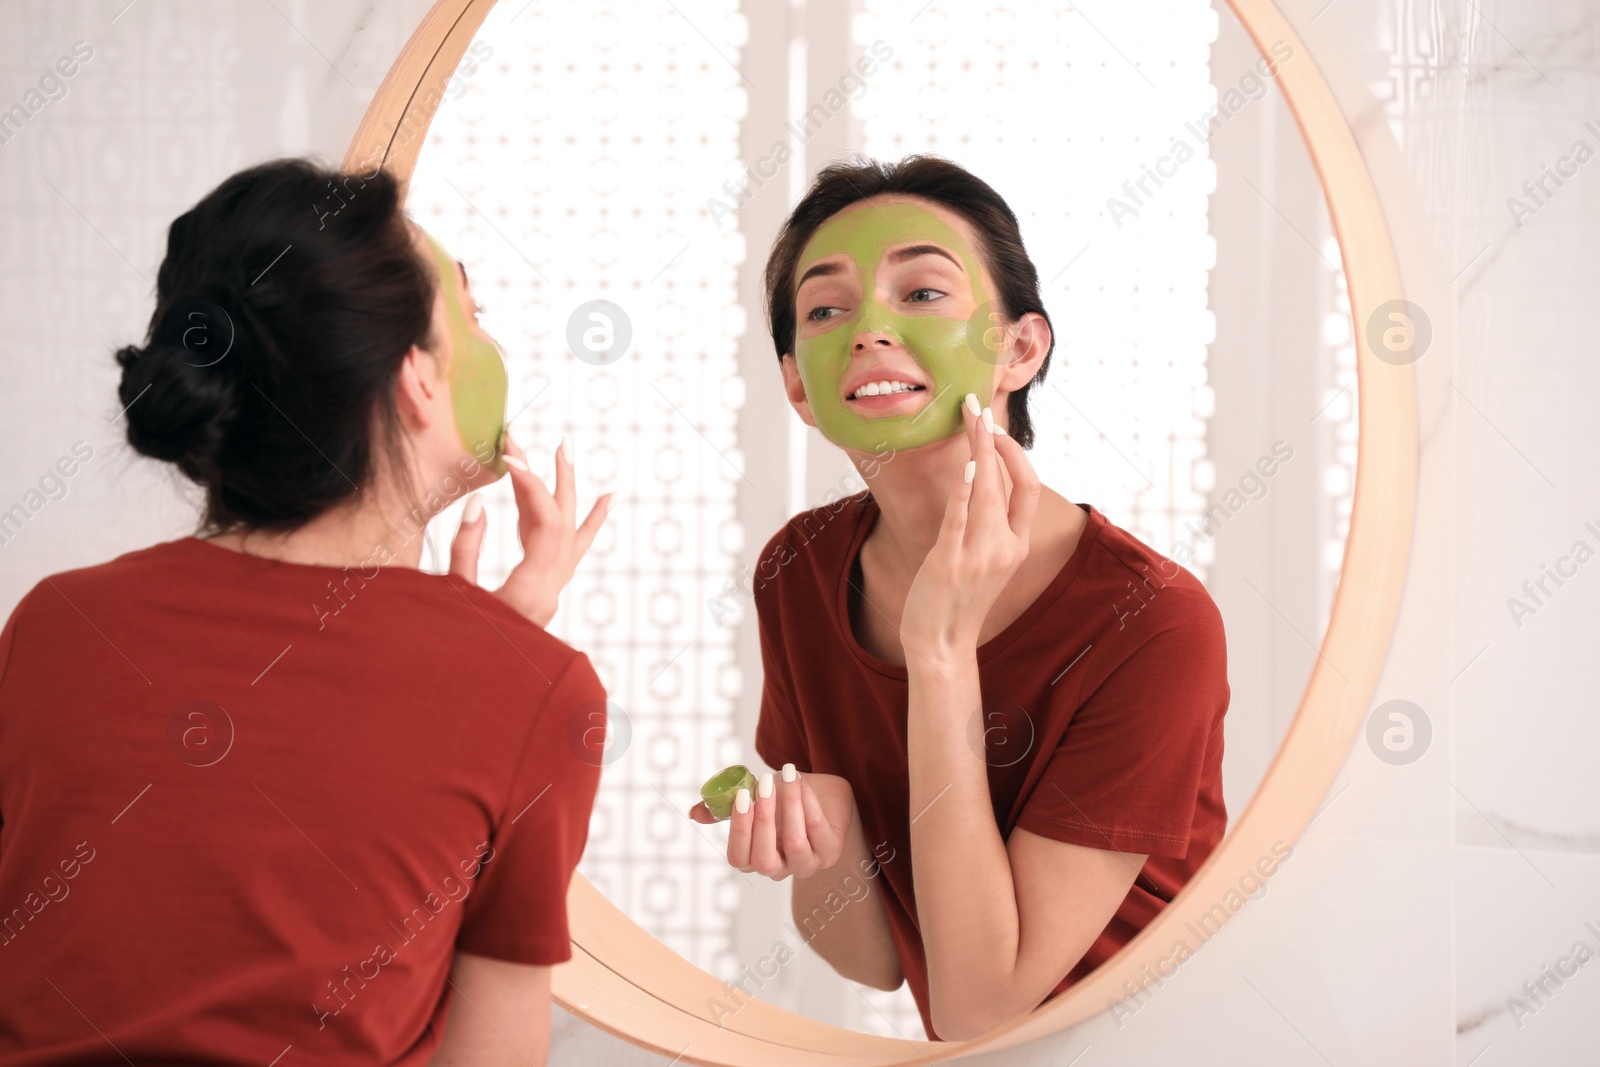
pixel 273 794
pixel 972 672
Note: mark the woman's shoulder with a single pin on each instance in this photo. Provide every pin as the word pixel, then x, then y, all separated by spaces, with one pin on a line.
pixel 1135 579
pixel 123 570
pixel 397 607
pixel 483 617
pixel 817 540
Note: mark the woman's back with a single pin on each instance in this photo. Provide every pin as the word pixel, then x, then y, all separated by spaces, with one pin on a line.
pixel 251 804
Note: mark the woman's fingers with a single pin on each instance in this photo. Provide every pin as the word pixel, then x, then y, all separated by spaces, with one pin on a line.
pixel 1025 485
pixel 591 527
pixel 827 842
pixel 701 813
pixel 566 482
pixel 793 839
pixel 740 825
pixel 551 544
pixel 535 505
pixel 988 492
pixel 468 543
pixel 954 526
pixel 764 854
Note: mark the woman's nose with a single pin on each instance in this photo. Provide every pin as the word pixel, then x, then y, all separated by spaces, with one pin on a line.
pixel 871 338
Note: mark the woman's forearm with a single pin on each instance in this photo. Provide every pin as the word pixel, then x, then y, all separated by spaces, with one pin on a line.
pixel 839 912
pixel 966 898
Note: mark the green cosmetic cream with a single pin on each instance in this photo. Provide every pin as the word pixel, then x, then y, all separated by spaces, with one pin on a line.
pixel 477 371
pixel 722 787
pixel 958 354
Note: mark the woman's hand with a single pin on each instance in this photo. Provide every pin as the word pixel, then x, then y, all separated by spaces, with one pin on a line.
pixel 552 542
pixel 798 827
pixel 982 541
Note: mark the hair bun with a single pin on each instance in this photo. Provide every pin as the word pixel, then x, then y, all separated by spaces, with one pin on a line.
pixel 178 395
pixel 267 373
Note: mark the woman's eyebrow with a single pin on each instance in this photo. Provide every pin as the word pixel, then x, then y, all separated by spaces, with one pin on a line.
pixel 913 251
pixel 463 268
pixel 820 270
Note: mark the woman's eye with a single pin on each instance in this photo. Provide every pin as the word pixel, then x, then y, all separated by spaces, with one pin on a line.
pixel 917 296
pixel 818 314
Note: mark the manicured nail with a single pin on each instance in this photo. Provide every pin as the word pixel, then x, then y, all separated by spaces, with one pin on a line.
pixel 472 511
pixel 764 785
pixel 566 448
pixel 515 463
pixel 972 403
pixel 972 471
pixel 789 773
pixel 741 801
pixel 988 419
pixel 1000 431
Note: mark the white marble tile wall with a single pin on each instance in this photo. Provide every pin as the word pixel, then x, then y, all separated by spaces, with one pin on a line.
pixel 1427 915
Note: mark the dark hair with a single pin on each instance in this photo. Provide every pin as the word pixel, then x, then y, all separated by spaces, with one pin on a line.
pixel 287 299
pixel 932 178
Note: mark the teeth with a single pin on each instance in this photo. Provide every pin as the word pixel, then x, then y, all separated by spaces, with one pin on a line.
pixel 884 388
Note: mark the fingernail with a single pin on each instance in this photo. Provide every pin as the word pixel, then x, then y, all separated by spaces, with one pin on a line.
pixel 472 510
pixel 789 773
pixel 988 419
pixel 972 471
pixel 764 785
pixel 514 462
pixel 972 403
pixel 999 430
pixel 741 801
pixel 566 447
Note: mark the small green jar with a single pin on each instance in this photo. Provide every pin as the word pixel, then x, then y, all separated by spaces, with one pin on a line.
pixel 722 787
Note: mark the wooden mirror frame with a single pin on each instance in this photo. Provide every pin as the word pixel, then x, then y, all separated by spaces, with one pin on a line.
pixel 626 982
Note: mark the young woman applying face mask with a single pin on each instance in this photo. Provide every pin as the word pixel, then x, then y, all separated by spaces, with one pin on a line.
pixel 995 709
pixel 273 793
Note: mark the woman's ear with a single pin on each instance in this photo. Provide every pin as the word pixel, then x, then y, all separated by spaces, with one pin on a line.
pixel 418 388
pixel 796 389
pixel 1029 346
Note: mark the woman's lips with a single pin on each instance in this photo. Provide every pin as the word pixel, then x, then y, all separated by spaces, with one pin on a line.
pixel 886 404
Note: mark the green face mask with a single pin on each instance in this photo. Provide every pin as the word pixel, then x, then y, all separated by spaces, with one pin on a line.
pixel 477 371
pixel 958 354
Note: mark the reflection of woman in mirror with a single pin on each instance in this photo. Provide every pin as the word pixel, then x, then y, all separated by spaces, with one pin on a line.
pixel 1008 710
pixel 277 785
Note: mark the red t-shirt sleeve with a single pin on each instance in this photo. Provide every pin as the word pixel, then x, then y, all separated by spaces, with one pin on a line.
pixel 1128 769
pixel 517 908
pixel 779 738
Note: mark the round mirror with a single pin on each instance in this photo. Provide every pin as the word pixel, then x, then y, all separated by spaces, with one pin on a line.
pixel 613 180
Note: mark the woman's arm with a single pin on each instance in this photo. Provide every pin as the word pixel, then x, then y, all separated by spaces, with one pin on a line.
pixel 839 910
pixel 1002 922
pixel 1000 925
pixel 499 1015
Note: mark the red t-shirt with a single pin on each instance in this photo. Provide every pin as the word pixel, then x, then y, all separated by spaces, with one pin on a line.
pixel 1103 711
pixel 248 805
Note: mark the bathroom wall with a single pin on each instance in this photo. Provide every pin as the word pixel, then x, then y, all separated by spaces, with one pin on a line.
pixel 1418 915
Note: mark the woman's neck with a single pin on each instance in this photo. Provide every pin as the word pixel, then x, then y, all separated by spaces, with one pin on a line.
pixel 912 490
pixel 360 533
